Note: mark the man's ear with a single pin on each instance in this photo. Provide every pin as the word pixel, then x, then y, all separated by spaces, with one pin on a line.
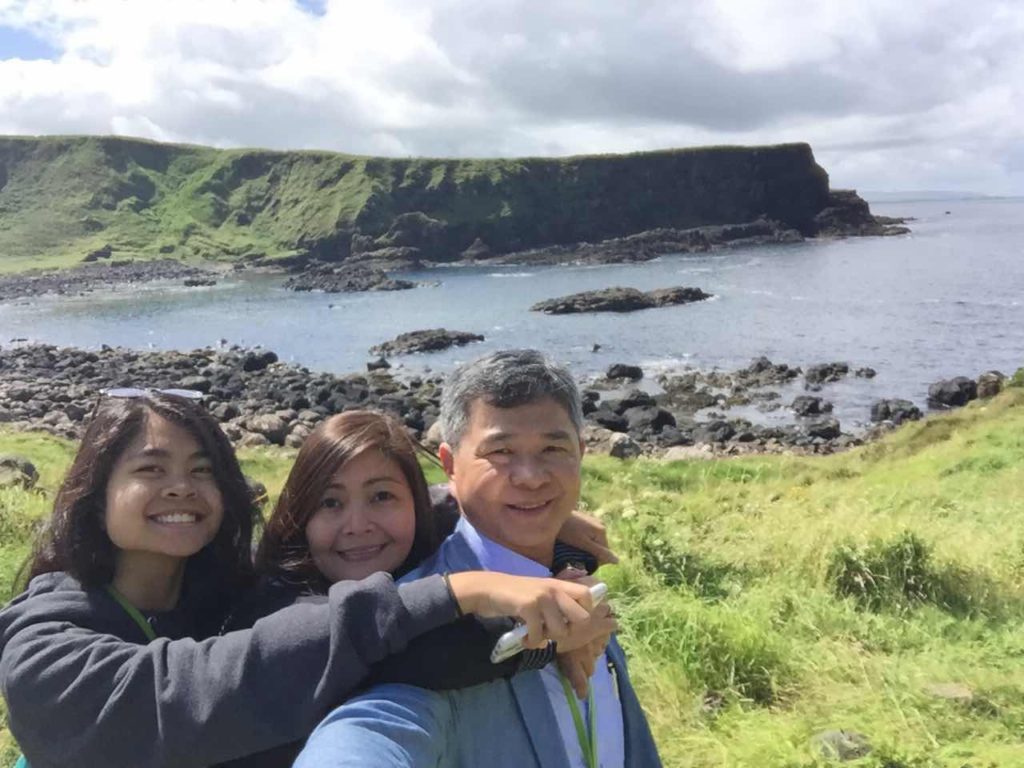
pixel 447 457
pixel 583 447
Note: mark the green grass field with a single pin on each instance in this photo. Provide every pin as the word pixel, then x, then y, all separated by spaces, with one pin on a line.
pixel 766 599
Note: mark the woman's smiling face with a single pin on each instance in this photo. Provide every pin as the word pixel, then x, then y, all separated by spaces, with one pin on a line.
pixel 365 521
pixel 162 497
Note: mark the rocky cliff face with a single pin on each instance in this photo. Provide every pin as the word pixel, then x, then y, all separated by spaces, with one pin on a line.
pixel 65 196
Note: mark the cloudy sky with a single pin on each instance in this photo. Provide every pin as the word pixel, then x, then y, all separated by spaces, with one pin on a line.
pixel 922 95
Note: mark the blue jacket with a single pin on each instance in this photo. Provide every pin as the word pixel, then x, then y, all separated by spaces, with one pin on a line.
pixel 503 724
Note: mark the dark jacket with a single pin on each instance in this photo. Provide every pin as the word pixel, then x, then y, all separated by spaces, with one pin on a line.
pixel 83 687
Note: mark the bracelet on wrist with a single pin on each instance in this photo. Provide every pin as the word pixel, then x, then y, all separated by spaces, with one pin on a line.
pixel 451 592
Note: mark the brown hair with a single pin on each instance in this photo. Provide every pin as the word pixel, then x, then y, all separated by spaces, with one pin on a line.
pixel 75 539
pixel 284 550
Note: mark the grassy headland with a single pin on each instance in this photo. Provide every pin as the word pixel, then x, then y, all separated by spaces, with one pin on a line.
pixel 766 599
pixel 63 197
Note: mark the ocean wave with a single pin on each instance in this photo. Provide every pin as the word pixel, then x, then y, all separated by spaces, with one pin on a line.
pixel 512 274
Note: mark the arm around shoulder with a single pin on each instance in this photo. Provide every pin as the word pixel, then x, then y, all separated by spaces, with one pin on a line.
pixel 79 696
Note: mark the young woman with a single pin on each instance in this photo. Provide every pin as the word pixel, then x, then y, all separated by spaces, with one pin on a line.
pixel 147 548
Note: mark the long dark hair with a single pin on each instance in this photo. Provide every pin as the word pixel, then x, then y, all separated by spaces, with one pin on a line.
pixel 75 540
pixel 284 550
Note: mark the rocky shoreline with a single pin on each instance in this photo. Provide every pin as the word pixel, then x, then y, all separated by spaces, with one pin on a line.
pixel 365 263
pixel 92 275
pixel 262 401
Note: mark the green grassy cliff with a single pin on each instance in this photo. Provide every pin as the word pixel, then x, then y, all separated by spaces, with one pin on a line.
pixel 767 599
pixel 62 197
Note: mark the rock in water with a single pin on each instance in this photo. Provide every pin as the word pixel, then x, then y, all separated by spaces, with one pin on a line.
pixel 431 340
pixel 619 300
pixel 623 371
pixel 952 393
pixel 896 411
pixel 826 372
pixel 345 279
pixel 808 405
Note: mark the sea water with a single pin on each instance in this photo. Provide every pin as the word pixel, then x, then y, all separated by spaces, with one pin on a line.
pixel 946 300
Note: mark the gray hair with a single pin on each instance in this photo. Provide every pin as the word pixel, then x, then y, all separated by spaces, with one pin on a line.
pixel 506 379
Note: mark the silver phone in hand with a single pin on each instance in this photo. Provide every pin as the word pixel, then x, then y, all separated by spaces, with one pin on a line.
pixel 511 643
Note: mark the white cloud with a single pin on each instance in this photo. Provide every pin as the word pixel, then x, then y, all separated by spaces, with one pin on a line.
pixel 925 94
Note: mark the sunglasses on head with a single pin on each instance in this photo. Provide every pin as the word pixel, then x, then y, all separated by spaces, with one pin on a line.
pixel 133 392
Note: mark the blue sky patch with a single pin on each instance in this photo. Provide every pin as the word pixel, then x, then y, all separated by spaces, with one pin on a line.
pixel 22 44
pixel 314 7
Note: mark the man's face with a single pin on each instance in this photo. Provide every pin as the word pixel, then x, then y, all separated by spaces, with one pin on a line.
pixel 516 473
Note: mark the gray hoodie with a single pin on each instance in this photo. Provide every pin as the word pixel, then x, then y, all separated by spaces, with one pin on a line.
pixel 83 688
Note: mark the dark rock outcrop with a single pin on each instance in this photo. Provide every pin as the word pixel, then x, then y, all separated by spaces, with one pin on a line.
pixel 808 405
pixel 619 300
pixel 624 371
pixel 99 276
pixel 952 393
pixel 825 429
pixel 345 279
pixel 897 411
pixel 848 214
pixel 826 372
pixel 430 340
pixel 17 472
pixel 990 384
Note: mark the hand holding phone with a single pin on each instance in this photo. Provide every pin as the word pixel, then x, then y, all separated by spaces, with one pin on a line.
pixel 511 643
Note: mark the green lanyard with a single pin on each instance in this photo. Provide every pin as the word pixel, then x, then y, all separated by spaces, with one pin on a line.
pixel 589 746
pixel 132 611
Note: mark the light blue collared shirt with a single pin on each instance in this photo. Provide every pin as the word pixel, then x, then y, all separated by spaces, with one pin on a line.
pixel 611 742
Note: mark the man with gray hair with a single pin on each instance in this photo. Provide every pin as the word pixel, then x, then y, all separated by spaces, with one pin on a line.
pixel 511 425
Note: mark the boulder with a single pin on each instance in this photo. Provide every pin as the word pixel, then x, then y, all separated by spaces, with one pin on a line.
pixel 826 429
pixel 667 297
pixel 623 371
pixel 252 440
pixel 432 437
pixel 17 472
pixel 688 453
pixel 606 300
pixel 198 282
pixel 952 393
pixel 826 372
pixel 648 419
pixel 623 447
pixel 619 300
pixel 714 432
pixel 808 405
pixel 896 411
pixel 990 384
pixel 257 361
pixel 609 419
pixel 269 425
pixel 865 373
pixel 430 340
pixel 632 398
pixel 380 364
pixel 195 383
